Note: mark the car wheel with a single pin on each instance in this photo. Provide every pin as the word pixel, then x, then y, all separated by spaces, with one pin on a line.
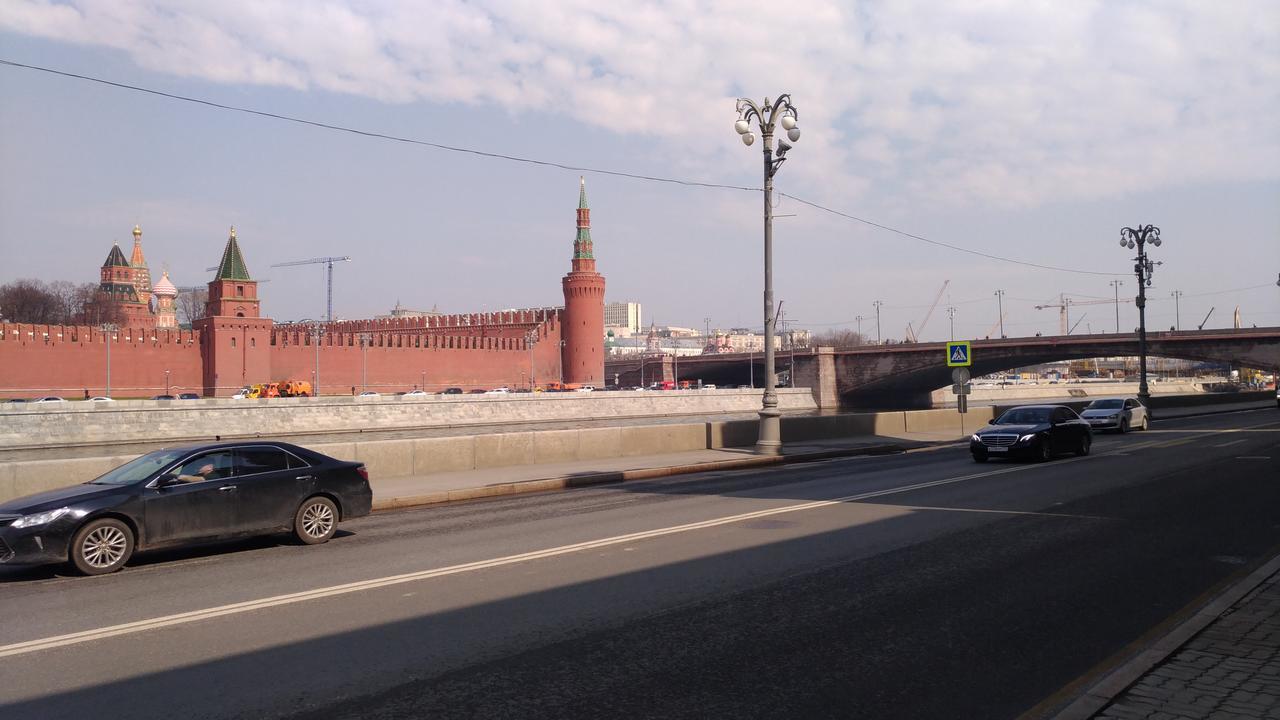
pixel 101 546
pixel 980 457
pixel 1146 423
pixel 1043 452
pixel 1085 443
pixel 1124 425
pixel 316 520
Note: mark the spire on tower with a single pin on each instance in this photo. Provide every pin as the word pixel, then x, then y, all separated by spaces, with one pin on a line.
pixel 232 266
pixel 582 244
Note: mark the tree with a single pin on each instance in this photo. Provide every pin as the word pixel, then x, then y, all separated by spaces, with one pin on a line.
pixel 191 305
pixel 838 339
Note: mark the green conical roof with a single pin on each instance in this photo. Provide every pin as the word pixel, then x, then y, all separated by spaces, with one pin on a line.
pixel 115 258
pixel 582 244
pixel 582 193
pixel 232 266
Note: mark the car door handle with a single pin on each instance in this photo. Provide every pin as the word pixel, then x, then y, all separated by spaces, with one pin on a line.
pixel 227 488
pixel 305 477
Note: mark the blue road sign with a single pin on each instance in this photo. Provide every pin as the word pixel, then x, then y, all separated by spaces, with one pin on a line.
pixel 958 354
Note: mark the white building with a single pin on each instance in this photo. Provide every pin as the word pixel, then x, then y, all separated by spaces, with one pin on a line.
pixel 620 315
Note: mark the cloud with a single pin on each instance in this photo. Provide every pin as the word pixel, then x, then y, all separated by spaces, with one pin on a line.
pixel 1002 103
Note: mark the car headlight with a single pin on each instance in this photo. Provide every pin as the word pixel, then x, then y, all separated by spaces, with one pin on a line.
pixel 974 437
pixel 1113 416
pixel 43 518
pixel 1027 438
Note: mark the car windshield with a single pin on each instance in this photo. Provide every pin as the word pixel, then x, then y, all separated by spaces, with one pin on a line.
pixel 1025 416
pixel 1105 405
pixel 139 469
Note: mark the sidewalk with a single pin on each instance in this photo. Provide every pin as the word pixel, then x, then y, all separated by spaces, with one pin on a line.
pixel 1223 663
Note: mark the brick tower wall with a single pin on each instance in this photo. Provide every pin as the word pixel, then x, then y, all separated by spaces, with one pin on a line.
pixel 68 360
pixel 584 329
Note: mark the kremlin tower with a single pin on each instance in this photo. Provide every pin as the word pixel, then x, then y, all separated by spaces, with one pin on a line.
pixel 582 334
pixel 141 274
pixel 166 311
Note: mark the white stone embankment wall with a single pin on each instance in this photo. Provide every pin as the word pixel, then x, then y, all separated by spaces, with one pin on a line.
pixel 78 423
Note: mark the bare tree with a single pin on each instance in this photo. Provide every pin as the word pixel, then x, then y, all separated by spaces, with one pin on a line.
pixel 28 301
pixel 191 305
pixel 838 339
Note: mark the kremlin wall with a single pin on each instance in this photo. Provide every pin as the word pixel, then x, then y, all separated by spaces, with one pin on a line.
pixel 235 345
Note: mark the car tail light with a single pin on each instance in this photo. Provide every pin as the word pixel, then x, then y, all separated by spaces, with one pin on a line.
pixel 364 472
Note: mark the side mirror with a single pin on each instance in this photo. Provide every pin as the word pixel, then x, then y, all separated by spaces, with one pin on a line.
pixel 992 421
pixel 168 479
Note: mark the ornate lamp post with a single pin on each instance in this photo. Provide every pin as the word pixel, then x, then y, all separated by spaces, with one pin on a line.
pixel 766 117
pixel 1143 267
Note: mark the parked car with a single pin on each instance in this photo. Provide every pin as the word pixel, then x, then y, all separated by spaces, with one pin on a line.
pixel 1119 414
pixel 241 394
pixel 498 391
pixel 477 391
pixel 1037 431
pixel 188 396
pixel 163 397
pixel 185 495
pixel 451 391
pixel 369 394
pixel 417 393
pixel 101 398
pixel 586 388
pixel 49 399
pixel 18 400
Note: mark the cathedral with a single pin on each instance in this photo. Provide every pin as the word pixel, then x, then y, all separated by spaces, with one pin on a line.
pixel 126 284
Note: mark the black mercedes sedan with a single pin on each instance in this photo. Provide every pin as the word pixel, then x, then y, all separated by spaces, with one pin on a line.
pixel 1036 431
pixel 185 495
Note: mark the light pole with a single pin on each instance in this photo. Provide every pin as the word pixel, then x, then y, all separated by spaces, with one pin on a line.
pixel 878 303
pixel 783 113
pixel 530 339
pixel 1143 267
pixel 951 313
pixel 364 361
pixel 1177 312
pixel 166 382
pixel 1000 301
pixel 108 330
pixel 1116 284
pixel 858 319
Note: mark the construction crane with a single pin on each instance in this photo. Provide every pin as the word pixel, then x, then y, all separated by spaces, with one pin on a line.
pixel 914 335
pixel 996 325
pixel 328 263
pixel 1064 304
pixel 1206 317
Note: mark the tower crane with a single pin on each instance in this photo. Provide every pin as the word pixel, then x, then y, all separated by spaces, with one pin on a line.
pixel 1064 304
pixel 996 324
pixel 914 335
pixel 328 263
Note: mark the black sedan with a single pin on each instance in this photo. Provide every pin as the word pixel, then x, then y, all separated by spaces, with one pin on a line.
pixel 185 495
pixel 1036 431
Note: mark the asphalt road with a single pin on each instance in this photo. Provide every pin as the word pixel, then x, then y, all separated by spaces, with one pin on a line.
pixel 918 585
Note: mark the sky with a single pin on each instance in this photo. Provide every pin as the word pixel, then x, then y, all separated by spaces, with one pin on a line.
pixel 1029 131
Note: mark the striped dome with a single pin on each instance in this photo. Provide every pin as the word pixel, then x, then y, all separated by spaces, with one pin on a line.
pixel 164 287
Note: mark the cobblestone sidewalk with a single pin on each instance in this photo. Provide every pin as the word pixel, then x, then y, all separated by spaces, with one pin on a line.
pixel 1230 670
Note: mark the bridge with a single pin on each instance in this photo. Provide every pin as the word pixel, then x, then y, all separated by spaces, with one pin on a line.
pixel 903 375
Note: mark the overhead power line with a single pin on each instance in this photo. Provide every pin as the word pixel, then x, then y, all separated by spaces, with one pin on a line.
pixel 532 161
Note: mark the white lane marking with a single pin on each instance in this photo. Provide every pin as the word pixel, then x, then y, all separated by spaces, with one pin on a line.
pixel 49 643
pixel 999 512
pixel 1253 457
pixel 1233 442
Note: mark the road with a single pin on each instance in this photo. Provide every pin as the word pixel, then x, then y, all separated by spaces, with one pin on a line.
pixel 919 585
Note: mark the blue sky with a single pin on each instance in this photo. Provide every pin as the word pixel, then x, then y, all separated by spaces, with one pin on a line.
pixel 1032 130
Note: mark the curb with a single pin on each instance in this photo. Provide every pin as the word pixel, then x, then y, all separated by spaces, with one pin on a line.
pixel 565 482
pixel 1103 692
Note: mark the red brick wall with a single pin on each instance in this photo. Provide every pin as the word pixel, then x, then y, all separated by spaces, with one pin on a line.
pixel 67 360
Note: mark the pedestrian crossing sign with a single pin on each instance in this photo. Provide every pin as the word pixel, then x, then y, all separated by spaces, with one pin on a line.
pixel 958 354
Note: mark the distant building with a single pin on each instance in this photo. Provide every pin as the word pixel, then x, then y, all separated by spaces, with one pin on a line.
pixel 623 315
pixel 399 311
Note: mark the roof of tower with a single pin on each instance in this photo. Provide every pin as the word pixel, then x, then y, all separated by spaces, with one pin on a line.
pixel 582 193
pixel 137 260
pixel 232 266
pixel 115 258
pixel 582 246
pixel 165 286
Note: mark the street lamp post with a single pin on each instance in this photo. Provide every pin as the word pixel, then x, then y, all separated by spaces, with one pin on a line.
pixel 878 303
pixel 1177 311
pixel 783 113
pixel 530 339
pixel 364 361
pixel 1000 302
pixel 166 382
pixel 316 331
pixel 1116 284
pixel 858 319
pixel 951 313
pixel 423 386
pixel 1143 267
pixel 108 330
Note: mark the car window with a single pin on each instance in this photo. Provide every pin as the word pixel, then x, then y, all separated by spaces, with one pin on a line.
pixel 212 465
pixel 1104 404
pixel 140 468
pixel 254 460
pixel 1024 416
pixel 1063 414
pixel 1131 404
pixel 296 462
